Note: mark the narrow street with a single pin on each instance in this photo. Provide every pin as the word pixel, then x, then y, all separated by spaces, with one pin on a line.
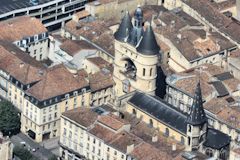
pixel 40 151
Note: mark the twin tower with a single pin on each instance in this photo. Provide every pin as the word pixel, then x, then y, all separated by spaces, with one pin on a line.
pixel 136 56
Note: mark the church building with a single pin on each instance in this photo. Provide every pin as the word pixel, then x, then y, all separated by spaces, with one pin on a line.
pixel 136 58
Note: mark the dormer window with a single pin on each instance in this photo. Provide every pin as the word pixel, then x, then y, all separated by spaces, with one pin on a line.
pixel 67 96
pixel 75 93
pixel 84 90
pixel 35 37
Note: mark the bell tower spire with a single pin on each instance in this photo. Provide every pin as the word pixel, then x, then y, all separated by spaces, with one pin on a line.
pixel 196 122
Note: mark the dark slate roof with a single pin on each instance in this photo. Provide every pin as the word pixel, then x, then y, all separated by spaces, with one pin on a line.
pixel 135 36
pixel 160 110
pixel 138 13
pixel 221 89
pixel 224 76
pixel 148 44
pixel 216 139
pixel 124 28
pixel 197 115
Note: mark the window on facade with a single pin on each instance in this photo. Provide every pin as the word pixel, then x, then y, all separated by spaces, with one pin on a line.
pixel 70 134
pixel 189 141
pixel 151 123
pixel 209 152
pixel 115 153
pixel 151 72
pixel 189 128
pixel 99 152
pixel 134 112
pixel 144 71
pixel 64 131
pixel 167 132
pixel 223 155
pixel 108 149
pixel 35 51
pixel 94 140
pixel 182 140
pixel 44 119
pixel 48 125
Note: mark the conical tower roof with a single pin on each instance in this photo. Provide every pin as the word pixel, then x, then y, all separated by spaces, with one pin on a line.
pixel 148 44
pixel 124 28
pixel 197 114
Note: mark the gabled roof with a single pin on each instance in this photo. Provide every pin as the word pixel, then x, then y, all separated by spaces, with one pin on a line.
pixel 160 110
pixel 148 44
pixel 56 81
pixel 197 115
pixel 18 28
pixel 124 28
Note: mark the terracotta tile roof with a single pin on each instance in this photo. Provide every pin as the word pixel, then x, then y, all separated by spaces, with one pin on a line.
pixel 98 61
pixel 145 151
pixel 226 25
pixel 186 84
pixel 102 132
pixel 82 14
pixel 232 84
pixel 20 27
pixel 209 71
pixel 57 81
pixel 124 139
pixel 100 81
pixel 216 105
pixel 231 116
pixel 96 31
pixel 72 47
pixel 18 68
pixel 111 121
pixel 83 116
pixel 195 43
pixel 164 144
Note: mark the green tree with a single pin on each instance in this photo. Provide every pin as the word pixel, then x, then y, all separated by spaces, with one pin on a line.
pixel 23 153
pixel 9 119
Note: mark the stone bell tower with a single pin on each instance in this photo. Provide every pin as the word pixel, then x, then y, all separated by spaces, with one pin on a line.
pixel 136 56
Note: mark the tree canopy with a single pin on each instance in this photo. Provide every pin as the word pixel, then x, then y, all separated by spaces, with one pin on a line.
pixel 9 119
pixel 23 153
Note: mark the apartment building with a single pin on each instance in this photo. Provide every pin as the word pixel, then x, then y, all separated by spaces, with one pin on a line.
pixel 220 93
pixel 52 13
pixel 95 32
pixel 29 34
pixel 99 133
pixel 6 148
pixel 18 73
pixel 70 52
pixel 113 8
